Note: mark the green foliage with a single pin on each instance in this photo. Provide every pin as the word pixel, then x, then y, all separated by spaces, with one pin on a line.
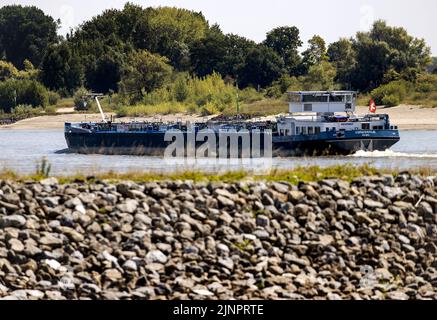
pixel 383 49
pixel 263 66
pixel 207 54
pixel 7 70
pixel 343 58
pixel 208 95
pixel 286 41
pixel 25 33
pixel 315 54
pixel 61 68
pixel 432 68
pixel 143 73
pixel 170 32
pixel 25 111
pixel 320 76
pixel 54 97
pixel 391 94
pixel 426 83
pixel 26 92
pixel 81 102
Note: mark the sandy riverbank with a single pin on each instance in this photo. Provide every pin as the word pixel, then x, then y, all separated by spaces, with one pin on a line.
pixel 405 116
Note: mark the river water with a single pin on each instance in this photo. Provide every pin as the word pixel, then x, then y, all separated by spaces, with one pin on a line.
pixel 21 150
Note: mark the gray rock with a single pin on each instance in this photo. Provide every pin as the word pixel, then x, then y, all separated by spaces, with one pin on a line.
pixel 227 263
pixel 225 202
pixel 262 220
pixel 130 265
pixel 296 196
pixel 15 221
pixel 156 256
pixel 372 204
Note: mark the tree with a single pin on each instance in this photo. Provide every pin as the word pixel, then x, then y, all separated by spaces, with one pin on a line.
pixel 170 32
pixel 320 76
pixel 61 68
pixel 315 53
pixel 7 71
pixel 15 92
pixel 433 66
pixel 25 33
pixel 236 50
pixel 286 42
pixel 263 66
pixel 207 54
pixel 143 72
pixel 384 49
pixel 343 57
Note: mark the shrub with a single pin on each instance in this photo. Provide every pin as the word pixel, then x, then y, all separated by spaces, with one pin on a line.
pixel 391 100
pixel 54 97
pixel 209 109
pixel 80 101
pixel 426 83
pixel 392 93
pixel 7 70
pixel 26 92
pixel 25 111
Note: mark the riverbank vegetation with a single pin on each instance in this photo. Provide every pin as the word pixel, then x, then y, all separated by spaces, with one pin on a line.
pixel 167 60
pixel 314 173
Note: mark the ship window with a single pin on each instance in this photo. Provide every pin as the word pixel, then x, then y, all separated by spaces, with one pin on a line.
pixel 327 129
pixel 317 130
pixel 314 98
pixel 336 98
pixel 333 128
pixel 304 130
pixel 310 130
pixel 365 126
pixel 297 130
pixel 307 107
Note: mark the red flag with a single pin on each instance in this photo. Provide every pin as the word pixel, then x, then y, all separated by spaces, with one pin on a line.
pixel 372 106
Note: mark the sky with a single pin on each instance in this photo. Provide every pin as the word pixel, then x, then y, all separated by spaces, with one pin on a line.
pixel 331 19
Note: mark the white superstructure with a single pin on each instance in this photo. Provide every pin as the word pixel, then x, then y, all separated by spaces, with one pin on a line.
pixel 314 112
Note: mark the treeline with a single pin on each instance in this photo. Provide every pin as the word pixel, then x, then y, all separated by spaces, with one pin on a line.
pixel 158 55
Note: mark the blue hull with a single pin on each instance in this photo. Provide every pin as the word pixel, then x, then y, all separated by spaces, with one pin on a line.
pixel 152 142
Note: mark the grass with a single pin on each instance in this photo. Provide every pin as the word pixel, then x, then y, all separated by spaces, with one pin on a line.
pixel 294 176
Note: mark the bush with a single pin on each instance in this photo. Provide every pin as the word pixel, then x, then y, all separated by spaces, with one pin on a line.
pixel 25 111
pixel 209 109
pixel 392 93
pixel 22 92
pixel 426 83
pixel 54 97
pixel 80 101
pixel 391 100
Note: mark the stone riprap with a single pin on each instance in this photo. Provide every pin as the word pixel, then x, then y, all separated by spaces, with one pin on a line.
pixel 373 238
